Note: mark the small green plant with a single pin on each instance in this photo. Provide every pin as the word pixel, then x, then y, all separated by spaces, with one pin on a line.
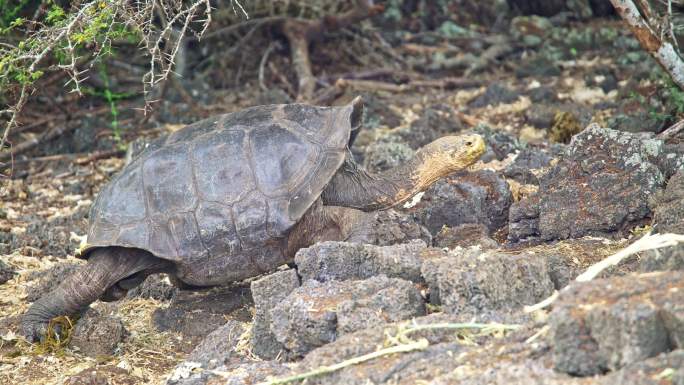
pixel 68 39
pixel 393 11
pixel 10 10
pixel 111 98
pixel 670 99
pixel 639 231
pixel 674 97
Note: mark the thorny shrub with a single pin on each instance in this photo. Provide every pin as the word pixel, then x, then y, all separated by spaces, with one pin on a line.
pixel 41 36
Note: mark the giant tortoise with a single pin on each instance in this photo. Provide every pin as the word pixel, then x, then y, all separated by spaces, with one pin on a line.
pixel 234 196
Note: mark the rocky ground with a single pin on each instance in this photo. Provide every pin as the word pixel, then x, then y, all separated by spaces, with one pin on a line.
pixel 575 171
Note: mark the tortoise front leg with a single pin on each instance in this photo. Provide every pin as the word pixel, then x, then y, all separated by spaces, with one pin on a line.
pixel 330 223
pixel 105 267
pixel 354 225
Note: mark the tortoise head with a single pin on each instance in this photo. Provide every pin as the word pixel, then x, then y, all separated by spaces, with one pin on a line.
pixel 448 154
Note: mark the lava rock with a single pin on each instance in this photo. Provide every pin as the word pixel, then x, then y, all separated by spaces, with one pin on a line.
pixel 6 272
pixel 672 160
pixel 543 8
pixel 494 94
pixel 664 259
pixel 537 67
pixel 417 367
pixel 466 235
pixel 523 220
pixel 194 314
pixel 410 368
pixel 517 363
pixel 52 237
pixel 241 373
pixel 527 165
pixel 479 197
pixel 606 324
pixel 530 30
pixel 509 364
pixel 600 186
pixel 102 375
pixel 10 323
pixel 218 346
pixel 273 96
pixel 635 115
pixel 499 144
pixel 542 115
pixel 316 313
pixel 85 137
pixel 97 335
pixel 155 286
pixel 435 121
pixel 604 78
pixel 472 283
pixel 543 94
pixel 669 208
pixel 328 261
pixel 384 155
pixel 391 227
pixel 378 113
pixel 644 372
pixel 267 293
pixel 399 300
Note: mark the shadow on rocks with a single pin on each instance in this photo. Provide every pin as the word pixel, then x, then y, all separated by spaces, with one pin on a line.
pixel 194 314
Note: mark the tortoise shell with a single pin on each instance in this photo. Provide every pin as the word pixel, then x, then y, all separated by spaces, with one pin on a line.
pixel 227 187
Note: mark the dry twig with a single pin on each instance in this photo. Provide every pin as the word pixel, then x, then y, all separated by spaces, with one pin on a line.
pixel 672 130
pixel 401 344
pixel 647 242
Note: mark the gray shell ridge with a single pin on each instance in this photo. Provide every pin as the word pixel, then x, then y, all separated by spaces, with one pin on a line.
pixel 229 185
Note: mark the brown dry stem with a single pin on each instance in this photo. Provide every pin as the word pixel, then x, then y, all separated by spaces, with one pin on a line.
pixel 300 33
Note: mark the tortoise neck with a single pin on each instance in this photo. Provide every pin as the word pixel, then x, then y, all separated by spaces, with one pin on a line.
pixel 352 186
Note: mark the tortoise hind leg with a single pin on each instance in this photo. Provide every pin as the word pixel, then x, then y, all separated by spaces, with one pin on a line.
pixel 121 288
pixel 105 268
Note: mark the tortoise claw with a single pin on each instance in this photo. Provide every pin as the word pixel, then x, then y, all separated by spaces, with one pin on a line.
pixel 34 331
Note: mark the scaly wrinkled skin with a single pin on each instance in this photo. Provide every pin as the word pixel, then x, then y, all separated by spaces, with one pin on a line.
pixel 105 267
pixel 353 187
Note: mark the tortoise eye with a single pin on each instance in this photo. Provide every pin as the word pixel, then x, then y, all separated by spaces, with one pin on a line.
pixel 468 143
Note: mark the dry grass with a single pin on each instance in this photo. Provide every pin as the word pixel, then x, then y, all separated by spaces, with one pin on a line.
pixel 147 355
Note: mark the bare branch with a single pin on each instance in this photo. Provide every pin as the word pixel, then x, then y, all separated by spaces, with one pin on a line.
pixel 137 15
pixel 300 33
pixel 645 29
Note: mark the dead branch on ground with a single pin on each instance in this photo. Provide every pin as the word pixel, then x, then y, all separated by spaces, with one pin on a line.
pixel 371 85
pixel 300 33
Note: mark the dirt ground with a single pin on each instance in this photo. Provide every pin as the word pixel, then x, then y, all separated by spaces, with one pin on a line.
pixel 536 93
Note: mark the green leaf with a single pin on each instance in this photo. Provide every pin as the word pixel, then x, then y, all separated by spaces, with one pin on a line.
pixel 55 14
